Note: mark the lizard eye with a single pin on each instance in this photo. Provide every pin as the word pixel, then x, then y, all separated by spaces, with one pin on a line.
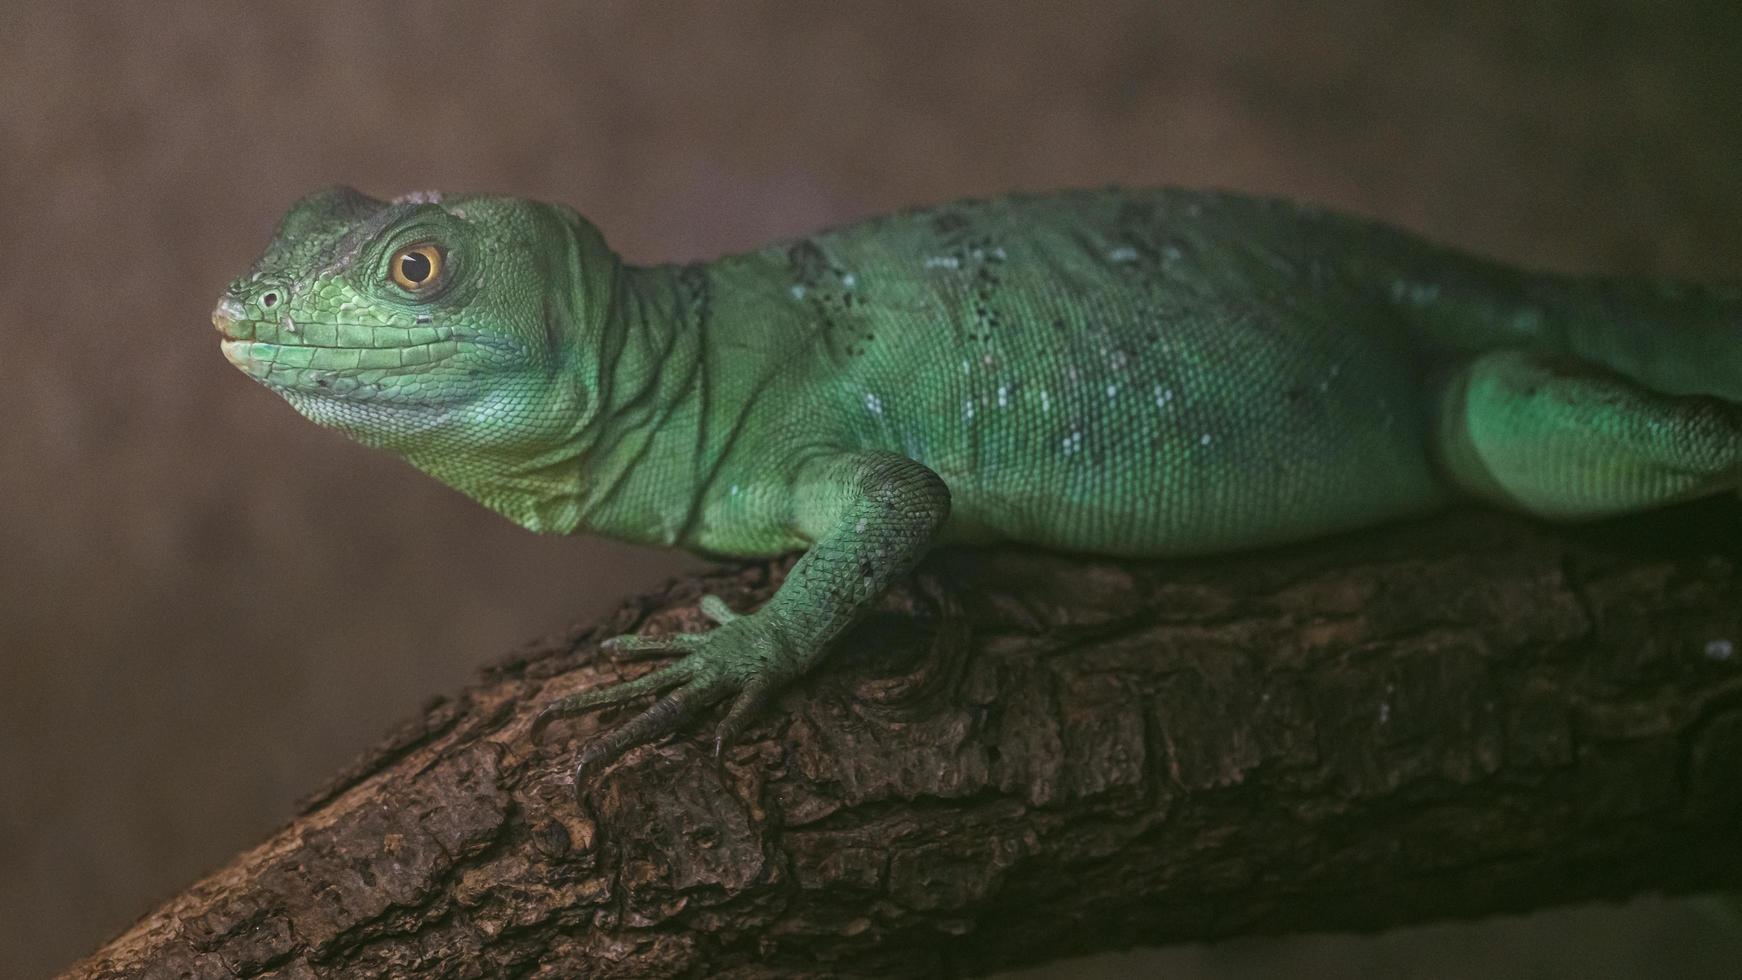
pixel 416 267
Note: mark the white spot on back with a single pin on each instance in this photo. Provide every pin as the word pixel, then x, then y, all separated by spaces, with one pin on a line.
pixel 1123 253
pixel 873 404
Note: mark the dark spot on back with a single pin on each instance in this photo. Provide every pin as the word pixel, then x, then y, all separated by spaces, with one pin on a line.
pixel 809 264
pixel 949 222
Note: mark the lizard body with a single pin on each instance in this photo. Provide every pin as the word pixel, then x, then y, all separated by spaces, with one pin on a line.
pixel 1120 372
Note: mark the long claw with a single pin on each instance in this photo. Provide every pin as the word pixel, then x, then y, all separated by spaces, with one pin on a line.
pixel 745 706
pixel 600 697
pixel 715 608
pixel 663 717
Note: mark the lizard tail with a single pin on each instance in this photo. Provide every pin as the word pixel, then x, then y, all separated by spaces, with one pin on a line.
pixel 1675 338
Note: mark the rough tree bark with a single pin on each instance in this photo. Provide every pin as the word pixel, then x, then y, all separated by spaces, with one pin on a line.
pixel 1024 756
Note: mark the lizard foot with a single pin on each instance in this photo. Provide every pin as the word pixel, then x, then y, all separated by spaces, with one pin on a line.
pixel 747 655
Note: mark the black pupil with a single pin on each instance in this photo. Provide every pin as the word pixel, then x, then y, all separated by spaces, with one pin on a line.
pixel 414 266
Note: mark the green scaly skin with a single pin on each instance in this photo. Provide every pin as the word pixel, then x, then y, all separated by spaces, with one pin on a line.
pixel 1124 373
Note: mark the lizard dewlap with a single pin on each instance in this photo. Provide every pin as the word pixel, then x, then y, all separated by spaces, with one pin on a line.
pixel 1120 372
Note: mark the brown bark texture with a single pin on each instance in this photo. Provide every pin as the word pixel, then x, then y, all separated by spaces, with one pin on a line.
pixel 1021 756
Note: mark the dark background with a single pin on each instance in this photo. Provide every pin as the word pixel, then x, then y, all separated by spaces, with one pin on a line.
pixel 206 603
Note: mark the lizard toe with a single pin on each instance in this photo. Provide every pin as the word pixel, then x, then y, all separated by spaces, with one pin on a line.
pixel 663 717
pixel 610 694
pixel 631 646
pixel 745 707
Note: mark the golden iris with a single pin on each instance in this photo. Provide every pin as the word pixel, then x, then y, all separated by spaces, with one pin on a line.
pixel 416 267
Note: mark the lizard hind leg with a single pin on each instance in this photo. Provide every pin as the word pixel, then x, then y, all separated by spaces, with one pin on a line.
pixel 1567 440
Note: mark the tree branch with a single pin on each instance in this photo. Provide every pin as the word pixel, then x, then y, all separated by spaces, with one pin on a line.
pixel 1023 756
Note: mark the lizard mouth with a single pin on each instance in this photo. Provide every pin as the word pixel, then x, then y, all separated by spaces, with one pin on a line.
pixel 318 365
pixel 326 334
pixel 261 358
pixel 285 351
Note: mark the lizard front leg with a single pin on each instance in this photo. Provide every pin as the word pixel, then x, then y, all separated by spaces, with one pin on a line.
pixel 872 514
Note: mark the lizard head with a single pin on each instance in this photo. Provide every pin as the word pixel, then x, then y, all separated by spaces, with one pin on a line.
pixel 442 330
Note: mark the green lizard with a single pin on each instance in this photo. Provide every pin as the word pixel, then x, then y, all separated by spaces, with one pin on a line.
pixel 1118 372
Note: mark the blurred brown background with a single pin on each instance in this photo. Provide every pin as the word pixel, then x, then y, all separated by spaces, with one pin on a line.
pixel 207 604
